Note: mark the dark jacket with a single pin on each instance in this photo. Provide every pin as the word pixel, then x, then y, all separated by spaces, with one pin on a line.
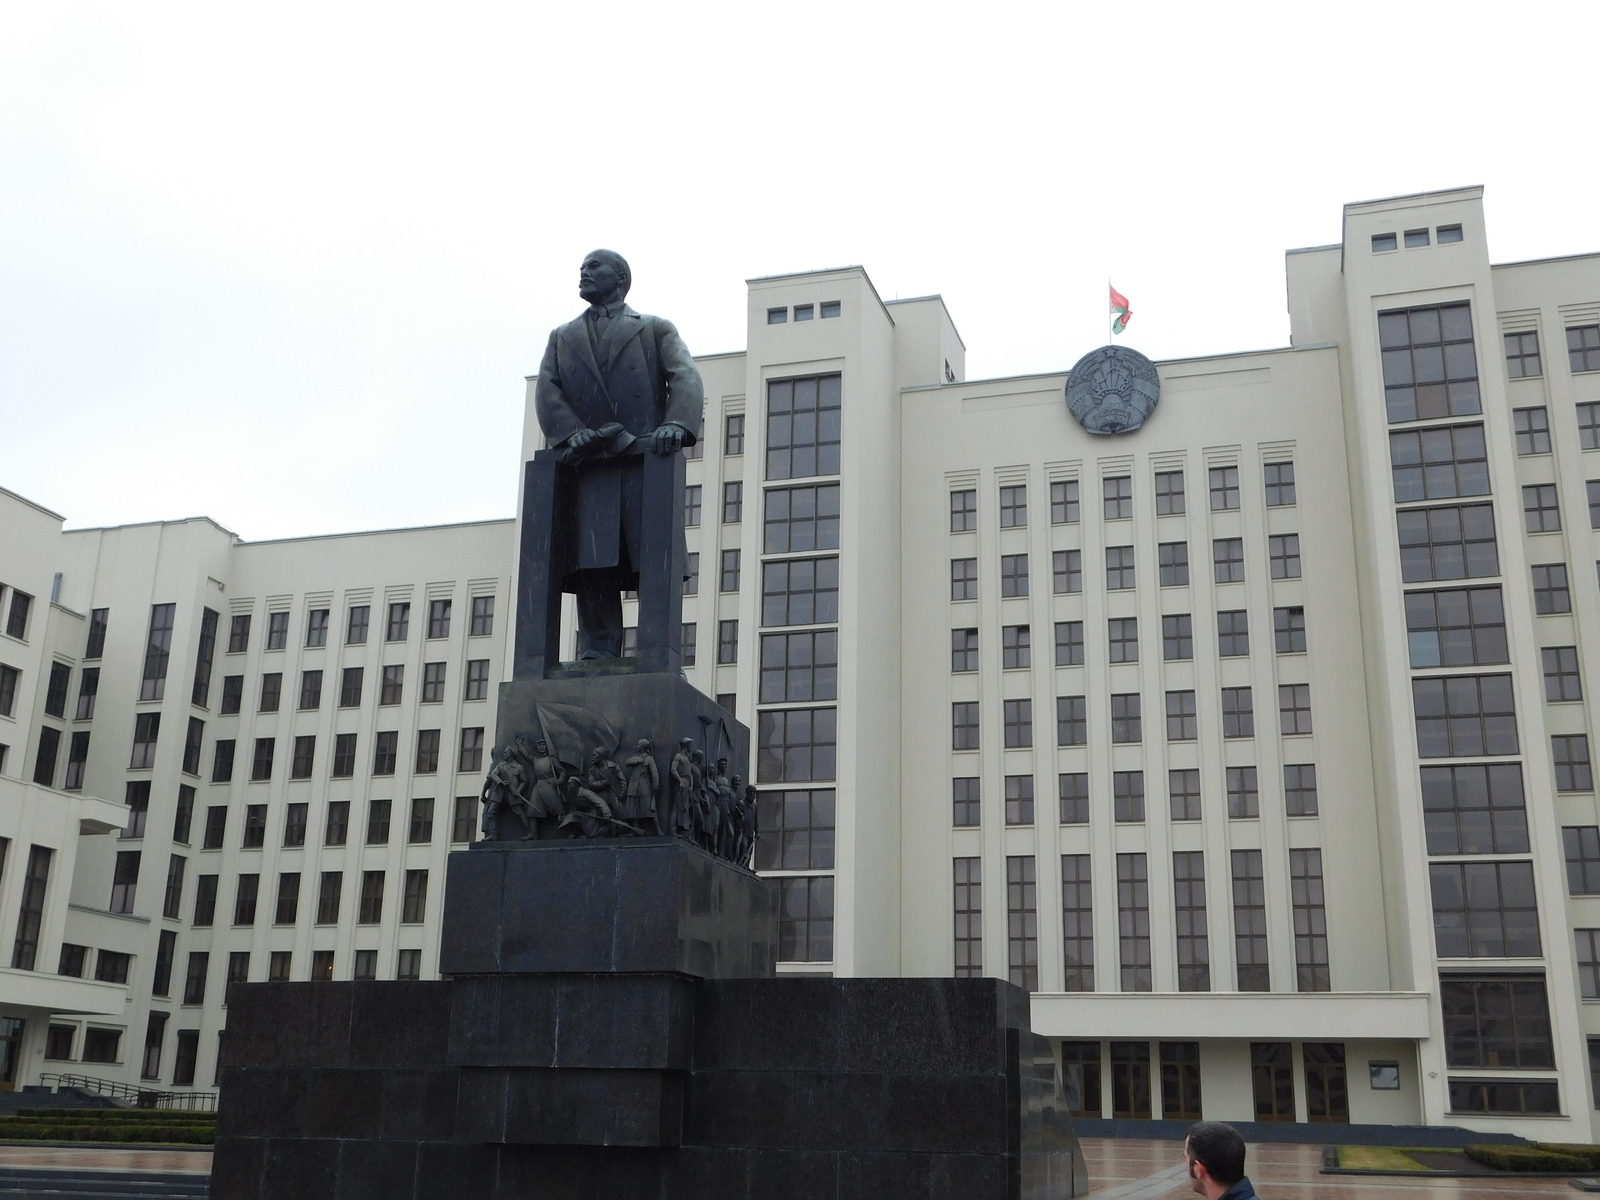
pixel 641 377
pixel 1240 1191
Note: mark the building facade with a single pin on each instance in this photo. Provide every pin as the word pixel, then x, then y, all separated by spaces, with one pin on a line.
pixel 1255 743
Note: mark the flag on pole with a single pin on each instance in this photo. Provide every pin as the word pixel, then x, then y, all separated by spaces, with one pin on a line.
pixel 1120 312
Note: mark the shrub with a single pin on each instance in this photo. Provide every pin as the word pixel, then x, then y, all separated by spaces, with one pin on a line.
pixel 1525 1158
pixel 1589 1154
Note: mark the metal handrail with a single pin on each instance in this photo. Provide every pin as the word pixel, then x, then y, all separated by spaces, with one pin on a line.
pixel 138 1097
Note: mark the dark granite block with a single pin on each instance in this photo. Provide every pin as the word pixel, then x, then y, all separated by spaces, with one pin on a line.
pixel 319 1035
pixel 624 1021
pixel 377 1170
pixel 702 1173
pixel 481 1105
pixel 884 1176
pixel 456 1171
pixel 419 1104
pixel 262 1102
pixel 579 1107
pixel 791 1025
pixel 578 1173
pixel 342 1104
pixel 305 1168
pixel 405 1025
pixel 965 1176
pixel 636 905
pixel 794 1175
pixel 236 1168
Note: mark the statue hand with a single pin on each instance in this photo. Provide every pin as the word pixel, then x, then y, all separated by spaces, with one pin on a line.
pixel 669 439
pixel 581 441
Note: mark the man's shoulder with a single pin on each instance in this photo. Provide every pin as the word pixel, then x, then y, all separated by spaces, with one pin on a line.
pixel 1243 1190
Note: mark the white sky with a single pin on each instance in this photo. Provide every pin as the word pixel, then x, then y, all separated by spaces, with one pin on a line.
pixel 287 265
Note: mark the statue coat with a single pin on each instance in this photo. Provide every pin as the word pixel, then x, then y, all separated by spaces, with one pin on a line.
pixel 641 377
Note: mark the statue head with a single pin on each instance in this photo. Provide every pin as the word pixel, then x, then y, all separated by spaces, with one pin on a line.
pixel 722 766
pixel 542 747
pixel 686 744
pixel 643 746
pixel 735 783
pixel 604 277
pixel 599 755
pixel 697 757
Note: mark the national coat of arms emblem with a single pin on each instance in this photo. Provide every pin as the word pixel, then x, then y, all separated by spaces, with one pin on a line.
pixel 1113 390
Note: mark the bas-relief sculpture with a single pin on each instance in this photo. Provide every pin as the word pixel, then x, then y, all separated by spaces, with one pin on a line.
pixel 1113 390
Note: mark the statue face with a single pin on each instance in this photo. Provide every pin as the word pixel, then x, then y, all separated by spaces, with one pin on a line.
pixel 601 274
pixel 541 747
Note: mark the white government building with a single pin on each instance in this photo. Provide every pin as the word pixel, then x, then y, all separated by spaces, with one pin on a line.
pixel 1254 742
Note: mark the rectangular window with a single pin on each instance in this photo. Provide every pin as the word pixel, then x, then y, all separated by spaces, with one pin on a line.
pixel 1019 799
pixel 386 749
pixel 1072 789
pixel 968 884
pixel 1169 493
pixel 244 899
pixel 1455 542
pixel 421 831
pixel 137 796
pixel 732 506
pixel 1072 721
pixel 1294 708
pixel 1119 568
pixel 1532 426
pixel 1505 1096
pixel 1183 794
pixel 158 649
pixel 1238 713
pixel 1484 910
pixel 316 627
pixel 205 900
pixel 1182 720
pixel 433 677
pixel 1310 921
pixel 415 904
pixel 216 827
pixel 796 830
pixel 310 690
pixel 1280 484
pixel 691 575
pixel 1289 630
pixel 194 982
pixel 1013 574
pixel 1077 924
pixel 1464 716
pixel 427 762
pixel 1126 724
pixel 1540 512
pixel 1583 348
pixel 692 505
pixel 239 966
pixel 44 763
pixel 77 761
pixel 1177 638
pixel 394 679
pixel 321 966
pixel 88 689
pixel 963 578
pixel 1180 1081
pixel 805 922
pixel 730 571
pixel 1571 754
pixel 1014 506
pixel 1022 921
pixel 1189 904
pixel 803 421
pixel 1118 493
pixel 261 763
pixel 1244 795
pixel 1066 569
pixel 271 692
pixel 963 650
pixel 222 760
pixel 1457 627
pixel 1250 921
pixel 1130 1078
pixel 350 681
pixel 183 815
pixel 1233 633
pixel 172 900
pixel 1272 1080
pixel 200 694
pixel 1592 487
pixel 1018 719
pixel 1069 643
pixel 464 821
pixel 1522 355
pixel 9 677
pixel 1227 557
pixel 1122 639
pixel 1429 367
pixel 470 758
pixel 399 627
pixel 1496 1021
pixel 255 827
pixel 965 802
pixel 688 642
pixel 805 591
pixel 111 966
pixel 232 695
pixel 963 511
pixel 337 830
pixel 344 755
pixel 55 695
pixel 802 518
pixel 733 435
pixel 1588 941
pixel 1283 553
pixel 1551 593
pixel 1064 502
pixel 371 909
pixel 288 906
pixel 378 822
pixel 99 618
pixel 797 666
pixel 1127 792
pixel 1224 488
pixel 1133 922
pixel 1016 647
pixel 1173 561
pixel 1438 463
pixel 355 631
pixel 439 618
pixel 305 752
pixel 964 725
pixel 796 745
pixel 1300 789
pixel 30 916
pixel 1475 809
pixel 17 619
pixel 294 824
pixel 1582 846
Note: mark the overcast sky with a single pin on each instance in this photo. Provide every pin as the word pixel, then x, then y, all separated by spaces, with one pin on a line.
pixel 286 266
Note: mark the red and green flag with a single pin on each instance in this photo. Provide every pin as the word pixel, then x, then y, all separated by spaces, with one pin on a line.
pixel 1120 312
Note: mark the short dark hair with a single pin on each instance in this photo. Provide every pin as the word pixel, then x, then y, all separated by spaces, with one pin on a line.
pixel 1220 1147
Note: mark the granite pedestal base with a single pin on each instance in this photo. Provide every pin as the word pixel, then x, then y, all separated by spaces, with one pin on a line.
pixel 613 1028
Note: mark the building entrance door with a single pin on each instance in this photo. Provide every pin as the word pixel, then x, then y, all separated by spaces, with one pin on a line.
pixel 1272 1077
pixel 1327 1092
pixel 1130 1079
pixel 10 1051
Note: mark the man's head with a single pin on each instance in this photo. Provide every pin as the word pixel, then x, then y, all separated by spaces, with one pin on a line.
pixel 643 745
pixel 685 743
pixel 542 746
pixel 604 277
pixel 1215 1154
